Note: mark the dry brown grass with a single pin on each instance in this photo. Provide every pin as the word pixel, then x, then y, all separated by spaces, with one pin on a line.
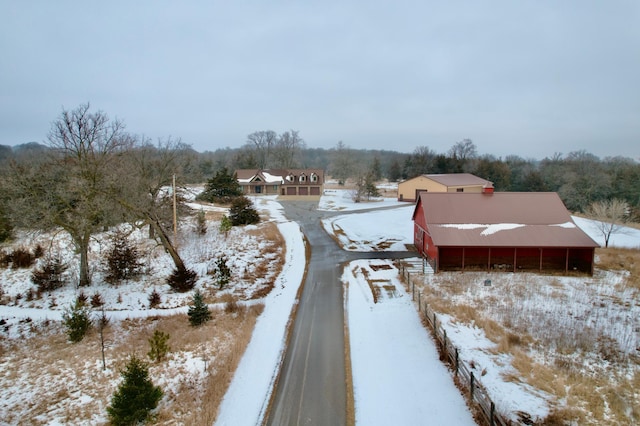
pixel 618 259
pixel 579 395
pixel 49 361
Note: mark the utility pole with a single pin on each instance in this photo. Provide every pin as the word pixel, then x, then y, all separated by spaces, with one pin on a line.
pixel 175 213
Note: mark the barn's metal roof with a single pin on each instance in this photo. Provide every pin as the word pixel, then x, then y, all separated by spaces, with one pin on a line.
pixel 459 179
pixel 502 219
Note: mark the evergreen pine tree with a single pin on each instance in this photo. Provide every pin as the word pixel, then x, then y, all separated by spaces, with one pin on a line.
pixel 77 319
pixel 135 397
pixel 225 225
pixel 123 259
pixel 201 223
pixel 221 188
pixel 198 311
pixel 158 346
pixel 223 273
pixel 242 212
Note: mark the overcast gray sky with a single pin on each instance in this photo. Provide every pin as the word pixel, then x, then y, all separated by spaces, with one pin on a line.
pixel 523 77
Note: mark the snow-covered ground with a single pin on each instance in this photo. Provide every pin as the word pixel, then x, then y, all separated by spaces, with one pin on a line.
pixel 249 392
pixel 617 321
pixel 397 375
pixel 403 373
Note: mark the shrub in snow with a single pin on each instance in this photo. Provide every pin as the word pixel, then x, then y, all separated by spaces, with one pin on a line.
pixel 38 252
pixel 21 258
pixel 154 299
pixel 242 212
pixel 96 300
pixel 123 259
pixel 49 275
pixel 198 310
pixel 82 299
pixel 158 346
pixel 182 279
pixel 77 320
pixel 135 397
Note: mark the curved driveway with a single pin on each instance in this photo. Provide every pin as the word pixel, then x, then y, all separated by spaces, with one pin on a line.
pixel 311 389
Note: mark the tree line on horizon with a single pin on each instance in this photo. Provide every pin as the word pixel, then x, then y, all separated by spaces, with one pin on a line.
pixel 579 177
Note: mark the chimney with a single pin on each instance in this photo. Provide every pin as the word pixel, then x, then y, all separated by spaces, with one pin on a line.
pixel 487 188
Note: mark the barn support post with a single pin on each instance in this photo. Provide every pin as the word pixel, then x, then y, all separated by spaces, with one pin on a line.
pixel 489 260
pixel 463 254
pixel 566 261
pixel 515 258
pixel 541 250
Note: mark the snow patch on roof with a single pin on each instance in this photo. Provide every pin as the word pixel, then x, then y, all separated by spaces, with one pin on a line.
pixel 269 178
pixel 489 229
pixel 566 225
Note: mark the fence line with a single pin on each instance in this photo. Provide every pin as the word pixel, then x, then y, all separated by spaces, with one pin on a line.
pixel 476 392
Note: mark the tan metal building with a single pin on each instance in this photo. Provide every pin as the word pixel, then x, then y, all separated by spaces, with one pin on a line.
pixel 449 182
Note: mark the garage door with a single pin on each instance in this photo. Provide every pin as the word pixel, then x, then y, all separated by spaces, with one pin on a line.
pixel 315 190
pixel 291 190
pixel 303 190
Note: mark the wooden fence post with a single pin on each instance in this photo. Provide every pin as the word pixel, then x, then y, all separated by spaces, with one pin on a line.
pixel 444 342
pixel 471 383
pixel 493 410
pixel 419 307
pixel 413 291
pixel 457 361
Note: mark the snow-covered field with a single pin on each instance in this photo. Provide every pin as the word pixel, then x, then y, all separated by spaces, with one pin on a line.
pixel 251 386
pixel 588 316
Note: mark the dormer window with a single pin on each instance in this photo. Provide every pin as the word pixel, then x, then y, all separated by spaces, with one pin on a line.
pixel 291 178
pixel 314 177
pixel 303 178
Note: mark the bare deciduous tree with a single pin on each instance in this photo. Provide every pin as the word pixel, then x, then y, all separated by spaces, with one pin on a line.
pixel 146 174
pixel 288 149
pixel 72 189
pixel 610 217
pixel 263 143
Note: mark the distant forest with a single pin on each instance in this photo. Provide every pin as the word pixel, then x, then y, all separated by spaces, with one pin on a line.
pixel 580 178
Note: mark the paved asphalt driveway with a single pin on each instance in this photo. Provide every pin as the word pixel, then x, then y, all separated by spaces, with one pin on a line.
pixel 312 386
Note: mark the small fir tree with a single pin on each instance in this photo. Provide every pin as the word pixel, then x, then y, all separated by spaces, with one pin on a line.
pixel 225 225
pixel 242 212
pixel 158 346
pixel 223 273
pixel 135 397
pixel 201 223
pixel 77 320
pixel 154 299
pixel 182 279
pixel 198 311
pixel 49 275
pixel 123 259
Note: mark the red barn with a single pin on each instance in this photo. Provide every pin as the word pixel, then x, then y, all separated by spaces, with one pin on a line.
pixel 512 231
